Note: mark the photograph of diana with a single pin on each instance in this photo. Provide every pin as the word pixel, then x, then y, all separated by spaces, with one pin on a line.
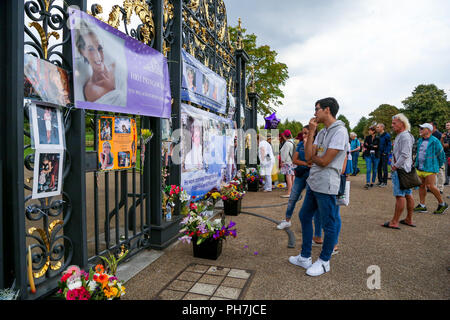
pixel 47 178
pixel 100 66
pixel 47 127
pixel 106 157
pixel 191 79
pixel 123 159
pixel 122 125
pixel 193 146
pixel 105 129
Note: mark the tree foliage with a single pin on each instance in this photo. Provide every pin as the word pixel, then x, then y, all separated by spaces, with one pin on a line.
pixel 361 128
pixel 345 121
pixel 427 103
pixel 383 114
pixel 269 74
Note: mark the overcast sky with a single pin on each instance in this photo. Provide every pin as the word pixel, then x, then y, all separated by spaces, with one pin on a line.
pixel 362 52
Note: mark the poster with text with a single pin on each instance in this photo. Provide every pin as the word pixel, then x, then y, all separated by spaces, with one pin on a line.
pixel 207 150
pixel 117 138
pixel 115 72
pixel 202 86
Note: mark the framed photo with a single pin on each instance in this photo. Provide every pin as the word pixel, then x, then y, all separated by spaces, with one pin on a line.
pixel 48 168
pixel 47 126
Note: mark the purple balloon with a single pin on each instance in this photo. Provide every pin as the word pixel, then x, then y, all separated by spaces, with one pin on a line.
pixel 271 121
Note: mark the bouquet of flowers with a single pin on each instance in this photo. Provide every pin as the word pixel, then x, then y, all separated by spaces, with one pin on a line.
pixel 146 135
pixel 211 198
pixel 252 175
pixel 76 284
pixel 232 191
pixel 199 227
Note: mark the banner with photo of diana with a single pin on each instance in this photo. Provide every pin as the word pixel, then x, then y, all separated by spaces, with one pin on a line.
pixel 202 86
pixel 116 73
pixel 207 151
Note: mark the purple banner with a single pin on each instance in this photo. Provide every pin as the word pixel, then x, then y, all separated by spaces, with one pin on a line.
pixel 114 72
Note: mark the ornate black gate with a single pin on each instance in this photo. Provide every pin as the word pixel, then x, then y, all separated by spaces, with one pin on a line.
pixel 97 211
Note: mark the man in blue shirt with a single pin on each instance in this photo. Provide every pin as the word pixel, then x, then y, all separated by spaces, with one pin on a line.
pixel 385 150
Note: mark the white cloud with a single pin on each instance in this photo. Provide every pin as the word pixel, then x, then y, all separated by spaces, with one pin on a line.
pixel 364 53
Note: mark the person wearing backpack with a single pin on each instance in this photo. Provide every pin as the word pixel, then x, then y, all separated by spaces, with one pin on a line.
pixel 287 166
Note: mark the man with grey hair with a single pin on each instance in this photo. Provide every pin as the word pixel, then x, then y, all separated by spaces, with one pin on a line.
pixel 402 159
pixel 385 150
pixel 430 158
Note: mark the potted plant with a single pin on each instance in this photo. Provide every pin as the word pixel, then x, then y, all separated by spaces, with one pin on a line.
pixel 206 236
pixel 76 284
pixel 253 179
pixel 232 194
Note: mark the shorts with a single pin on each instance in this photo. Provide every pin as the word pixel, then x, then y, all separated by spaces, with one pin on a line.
pixel 396 187
pixel 424 174
pixel 288 169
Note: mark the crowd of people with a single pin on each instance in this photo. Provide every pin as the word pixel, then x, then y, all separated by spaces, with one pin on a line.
pixel 319 162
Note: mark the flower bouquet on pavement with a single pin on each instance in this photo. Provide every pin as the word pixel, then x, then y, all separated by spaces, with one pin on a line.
pixel 232 194
pixel 76 284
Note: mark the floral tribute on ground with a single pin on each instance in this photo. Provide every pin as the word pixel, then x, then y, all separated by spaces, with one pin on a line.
pixel 76 284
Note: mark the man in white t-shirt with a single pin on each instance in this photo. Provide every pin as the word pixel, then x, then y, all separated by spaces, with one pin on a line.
pixel 327 153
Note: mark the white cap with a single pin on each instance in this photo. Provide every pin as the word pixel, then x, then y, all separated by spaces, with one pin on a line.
pixel 427 125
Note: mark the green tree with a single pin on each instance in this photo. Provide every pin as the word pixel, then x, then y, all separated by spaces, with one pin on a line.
pixel 383 114
pixel 427 103
pixel 269 74
pixel 361 128
pixel 294 126
pixel 344 120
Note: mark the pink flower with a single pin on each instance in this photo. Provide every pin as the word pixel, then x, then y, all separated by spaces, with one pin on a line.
pixel 72 295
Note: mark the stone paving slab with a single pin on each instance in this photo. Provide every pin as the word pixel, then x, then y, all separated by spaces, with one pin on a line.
pixel 205 282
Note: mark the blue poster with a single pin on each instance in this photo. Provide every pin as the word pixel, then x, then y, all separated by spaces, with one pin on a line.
pixel 207 150
pixel 202 86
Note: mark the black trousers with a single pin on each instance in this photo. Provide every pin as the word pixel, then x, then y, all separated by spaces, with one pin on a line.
pixel 383 168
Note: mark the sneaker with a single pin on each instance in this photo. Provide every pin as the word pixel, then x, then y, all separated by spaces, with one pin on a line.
pixel 441 209
pixel 367 186
pixel 382 185
pixel 317 268
pixel 371 185
pixel 379 184
pixel 300 261
pixel 316 244
pixel 335 251
pixel 419 208
pixel 284 224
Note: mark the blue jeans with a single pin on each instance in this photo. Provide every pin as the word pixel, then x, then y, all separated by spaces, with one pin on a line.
pixel 296 191
pixel 355 156
pixel 323 205
pixel 372 167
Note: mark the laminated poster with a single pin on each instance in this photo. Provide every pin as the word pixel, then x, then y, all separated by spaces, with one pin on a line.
pixel 117 144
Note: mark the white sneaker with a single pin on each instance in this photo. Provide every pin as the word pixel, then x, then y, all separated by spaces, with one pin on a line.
pixel 319 267
pixel 284 224
pixel 300 261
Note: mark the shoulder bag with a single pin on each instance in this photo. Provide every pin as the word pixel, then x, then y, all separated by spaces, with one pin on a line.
pixel 410 179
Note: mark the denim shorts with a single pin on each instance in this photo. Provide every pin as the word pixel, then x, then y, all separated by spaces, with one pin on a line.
pixel 396 187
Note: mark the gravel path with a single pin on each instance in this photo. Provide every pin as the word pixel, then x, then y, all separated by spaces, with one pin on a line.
pixel 413 262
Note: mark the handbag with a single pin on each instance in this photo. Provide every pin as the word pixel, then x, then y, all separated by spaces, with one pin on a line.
pixel 342 185
pixel 408 180
pixel 344 200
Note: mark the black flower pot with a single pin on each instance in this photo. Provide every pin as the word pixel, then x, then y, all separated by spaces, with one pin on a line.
pixel 232 207
pixel 253 186
pixel 208 249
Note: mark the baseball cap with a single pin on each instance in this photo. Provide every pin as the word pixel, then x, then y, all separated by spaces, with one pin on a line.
pixel 286 133
pixel 427 126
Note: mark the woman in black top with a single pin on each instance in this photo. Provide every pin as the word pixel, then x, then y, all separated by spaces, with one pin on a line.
pixel 372 156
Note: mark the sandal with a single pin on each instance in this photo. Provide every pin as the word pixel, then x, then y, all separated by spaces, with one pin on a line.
pixel 386 225
pixel 407 224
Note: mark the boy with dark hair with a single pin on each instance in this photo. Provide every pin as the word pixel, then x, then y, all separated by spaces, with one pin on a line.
pixel 327 154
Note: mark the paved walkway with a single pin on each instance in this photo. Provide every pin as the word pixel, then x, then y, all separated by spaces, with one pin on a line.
pixel 413 262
